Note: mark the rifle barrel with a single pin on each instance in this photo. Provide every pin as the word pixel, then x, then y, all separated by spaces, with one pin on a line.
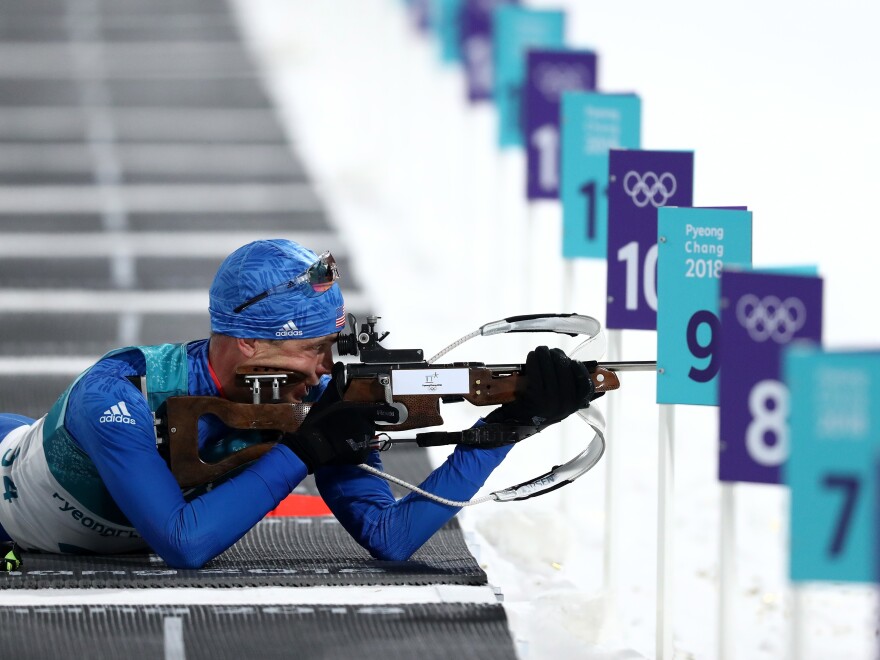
pixel 638 365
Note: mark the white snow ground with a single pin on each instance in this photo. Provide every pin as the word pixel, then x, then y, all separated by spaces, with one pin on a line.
pixel 779 101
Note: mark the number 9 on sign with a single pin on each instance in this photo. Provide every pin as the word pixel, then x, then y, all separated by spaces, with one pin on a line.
pixel 703 350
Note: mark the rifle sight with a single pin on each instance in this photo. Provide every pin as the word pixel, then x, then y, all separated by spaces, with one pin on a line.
pixel 366 343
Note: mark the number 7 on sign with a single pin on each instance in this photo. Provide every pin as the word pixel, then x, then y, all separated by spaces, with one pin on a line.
pixel 850 486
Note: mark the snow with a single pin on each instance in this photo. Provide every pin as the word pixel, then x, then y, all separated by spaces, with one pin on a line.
pixel 779 102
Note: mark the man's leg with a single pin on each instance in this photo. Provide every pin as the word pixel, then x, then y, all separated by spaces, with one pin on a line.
pixel 10 421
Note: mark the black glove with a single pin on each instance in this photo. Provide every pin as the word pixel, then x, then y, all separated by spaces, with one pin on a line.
pixel 556 386
pixel 337 432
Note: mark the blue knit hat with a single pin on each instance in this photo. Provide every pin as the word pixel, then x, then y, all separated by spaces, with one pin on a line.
pixel 253 270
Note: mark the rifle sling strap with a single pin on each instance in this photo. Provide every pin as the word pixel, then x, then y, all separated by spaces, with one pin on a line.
pixel 487 435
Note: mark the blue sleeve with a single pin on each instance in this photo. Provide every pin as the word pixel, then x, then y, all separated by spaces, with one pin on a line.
pixel 394 529
pixel 185 534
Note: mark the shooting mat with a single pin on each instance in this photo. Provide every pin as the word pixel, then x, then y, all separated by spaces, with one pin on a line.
pixel 279 551
pixel 386 632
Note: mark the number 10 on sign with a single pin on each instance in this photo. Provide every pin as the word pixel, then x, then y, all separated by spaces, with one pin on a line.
pixel 639 183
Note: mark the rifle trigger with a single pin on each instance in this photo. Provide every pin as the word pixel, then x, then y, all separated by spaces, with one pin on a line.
pixel 385 382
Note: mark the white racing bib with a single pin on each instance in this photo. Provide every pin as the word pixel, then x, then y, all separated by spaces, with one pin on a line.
pixel 41 515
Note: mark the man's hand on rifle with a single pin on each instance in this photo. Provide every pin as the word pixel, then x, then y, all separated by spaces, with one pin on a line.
pixel 556 386
pixel 337 432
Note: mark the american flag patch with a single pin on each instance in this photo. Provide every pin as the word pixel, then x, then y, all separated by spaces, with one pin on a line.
pixel 340 317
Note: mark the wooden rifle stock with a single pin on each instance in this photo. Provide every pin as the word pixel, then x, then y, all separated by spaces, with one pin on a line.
pixel 489 386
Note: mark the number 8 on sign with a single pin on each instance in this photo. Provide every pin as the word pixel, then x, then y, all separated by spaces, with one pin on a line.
pixel 767 433
pixel 761 313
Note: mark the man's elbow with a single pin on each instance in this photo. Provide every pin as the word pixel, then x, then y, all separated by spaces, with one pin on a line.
pixel 392 554
pixel 390 551
pixel 184 562
pixel 184 558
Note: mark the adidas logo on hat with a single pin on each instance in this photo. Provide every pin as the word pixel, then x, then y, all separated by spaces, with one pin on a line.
pixel 289 330
pixel 118 413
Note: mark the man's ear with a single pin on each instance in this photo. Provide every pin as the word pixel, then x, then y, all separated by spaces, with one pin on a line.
pixel 247 347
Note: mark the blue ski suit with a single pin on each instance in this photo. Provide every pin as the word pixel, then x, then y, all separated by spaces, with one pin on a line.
pixel 87 477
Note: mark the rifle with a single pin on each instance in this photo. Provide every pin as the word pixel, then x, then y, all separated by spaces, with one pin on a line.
pixel 403 379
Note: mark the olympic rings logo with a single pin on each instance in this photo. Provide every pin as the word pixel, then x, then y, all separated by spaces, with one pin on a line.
pixel 649 188
pixel 771 318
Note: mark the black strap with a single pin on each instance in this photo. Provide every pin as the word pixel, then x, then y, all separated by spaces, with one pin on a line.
pixel 487 435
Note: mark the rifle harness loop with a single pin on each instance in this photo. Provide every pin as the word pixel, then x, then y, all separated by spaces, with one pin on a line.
pixel 565 324
pixel 494 434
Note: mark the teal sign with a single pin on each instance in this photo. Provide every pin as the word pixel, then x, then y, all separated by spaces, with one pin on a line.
pixel 831 469
pixel 693 245
pixel 516 31
pixel 592 123
pixel 446 19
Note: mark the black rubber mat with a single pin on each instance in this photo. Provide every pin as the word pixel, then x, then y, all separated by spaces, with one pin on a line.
pixel 37 333
pixel 51 273
pixel 279 551
pixel 150 273
pixel 25 93
pixel 240 92
pixel 310 220
pixel 35 178
pixel 171 31
pixel 30 395
pixel 44 222
pixel 67 125
pixel 344 632
pixel 198 273
pixel 255 174
pixel 171 328
pixel 170 222
pixel 31 30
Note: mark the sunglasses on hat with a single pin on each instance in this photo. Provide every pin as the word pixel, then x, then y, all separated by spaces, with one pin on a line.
pixel 314 281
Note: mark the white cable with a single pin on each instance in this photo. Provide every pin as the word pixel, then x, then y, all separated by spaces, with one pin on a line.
pixel 569 471
pixel 475 333
pixel 424 493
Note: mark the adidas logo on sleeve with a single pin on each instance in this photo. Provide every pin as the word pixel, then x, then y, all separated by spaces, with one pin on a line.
pixel 119 414
pixel 289 329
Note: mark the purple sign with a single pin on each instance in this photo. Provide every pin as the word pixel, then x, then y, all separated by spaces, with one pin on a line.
pixel 640 182
pixel 420 14
pixel 549 73
pixel 761 313
pixel 476 46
